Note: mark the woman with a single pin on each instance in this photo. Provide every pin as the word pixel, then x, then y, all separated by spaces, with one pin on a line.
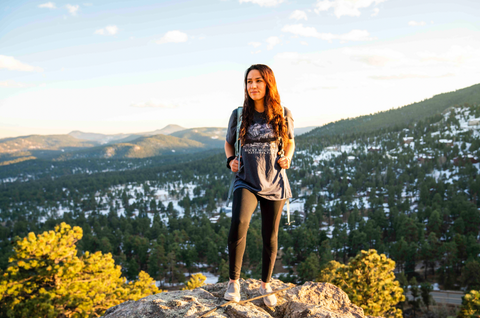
pixel 266 127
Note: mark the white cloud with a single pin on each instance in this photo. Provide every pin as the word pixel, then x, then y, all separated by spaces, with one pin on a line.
pixel 345 7
pixel 155 103
pixel 375 12
pixel 354 35
pixel 303 43
pixel 374 57
pixel 10 63
pixel 14 84
pixel 72 8
pixel 174 36
pixel 48 5
pixel 264 3
pixel 11 84
pixel 408 76
pixel 272 41
pixel 296 58
pixel 455 55
pixel 108 30
pixel 255 44
pixel 299 29
pixel 298 15
pixel 417 23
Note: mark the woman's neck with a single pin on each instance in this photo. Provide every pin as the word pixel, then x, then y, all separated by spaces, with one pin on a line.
pixel 259 105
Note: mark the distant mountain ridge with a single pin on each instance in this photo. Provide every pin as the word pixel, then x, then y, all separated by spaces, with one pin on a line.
pixel 104 138
pixel 211 136
pixel 18 149
pixel 167 130
pixel 141 145
pixel 303 130
pixel 78 144
pixel 96 137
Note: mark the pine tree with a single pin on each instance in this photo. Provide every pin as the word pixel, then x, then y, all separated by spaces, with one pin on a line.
pixel 157 261
pixel 195 281
pixel 425 290
pixel 46 278
pixel 415 292
pixel 471 275
pixel 309 269
pixel 223 275
pixel 470 305
pixel 369 282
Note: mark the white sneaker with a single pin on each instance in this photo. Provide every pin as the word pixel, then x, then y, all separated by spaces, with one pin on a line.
pixel 271 300
pixel 233 291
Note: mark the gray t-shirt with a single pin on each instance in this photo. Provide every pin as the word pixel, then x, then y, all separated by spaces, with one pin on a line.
pixel 261 173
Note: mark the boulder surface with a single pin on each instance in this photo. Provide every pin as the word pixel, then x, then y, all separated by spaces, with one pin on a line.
pixel 308 300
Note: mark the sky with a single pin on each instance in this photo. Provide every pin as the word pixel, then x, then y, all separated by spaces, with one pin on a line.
pixel 135 66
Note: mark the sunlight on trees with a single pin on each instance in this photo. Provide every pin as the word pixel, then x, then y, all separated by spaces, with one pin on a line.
pixel 369 282
pixel 46 278
pixel 197 280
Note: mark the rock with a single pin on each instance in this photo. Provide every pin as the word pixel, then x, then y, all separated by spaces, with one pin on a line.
pixel 308 300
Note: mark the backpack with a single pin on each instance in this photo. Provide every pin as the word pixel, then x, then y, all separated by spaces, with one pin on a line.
pixel 238 149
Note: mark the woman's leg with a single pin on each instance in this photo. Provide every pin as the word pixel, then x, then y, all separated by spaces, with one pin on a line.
pixel 271 215
pixel 244 204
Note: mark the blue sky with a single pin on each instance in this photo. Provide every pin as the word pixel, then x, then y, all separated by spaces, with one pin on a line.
pixel 132 66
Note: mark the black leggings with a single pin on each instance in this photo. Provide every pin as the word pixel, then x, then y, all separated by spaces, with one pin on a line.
pixel 244 204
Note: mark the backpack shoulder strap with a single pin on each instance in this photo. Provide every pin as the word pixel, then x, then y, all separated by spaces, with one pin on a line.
pixel 238 144
pixel 238 148
pixel 280 139
pixel 283 151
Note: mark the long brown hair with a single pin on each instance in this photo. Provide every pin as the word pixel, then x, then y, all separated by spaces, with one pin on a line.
pixel 273 109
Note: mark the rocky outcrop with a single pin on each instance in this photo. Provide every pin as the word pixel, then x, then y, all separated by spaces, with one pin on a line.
pixel 308 300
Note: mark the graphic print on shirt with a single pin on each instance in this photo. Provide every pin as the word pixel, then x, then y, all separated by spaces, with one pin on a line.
pixel 257 135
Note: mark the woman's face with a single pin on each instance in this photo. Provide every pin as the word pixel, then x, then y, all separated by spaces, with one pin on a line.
pixel 256 85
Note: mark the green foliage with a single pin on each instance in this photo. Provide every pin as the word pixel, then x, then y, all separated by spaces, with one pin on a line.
pixel 223 273
pixel 369 282
pixel 470 305
pixel 309 269
pixel 329 273
pixel 46 278
pixel 425 291
pixel 415 294
pixel 143 286
pixel 195 281
pixel 403 281
pixel 471 275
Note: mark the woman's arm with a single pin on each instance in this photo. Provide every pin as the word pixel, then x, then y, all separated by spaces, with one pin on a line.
pixel 285 161
pixel 230 151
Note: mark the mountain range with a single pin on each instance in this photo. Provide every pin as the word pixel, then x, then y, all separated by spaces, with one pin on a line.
pixel 174 138
pixel 78 144
pixel 105 139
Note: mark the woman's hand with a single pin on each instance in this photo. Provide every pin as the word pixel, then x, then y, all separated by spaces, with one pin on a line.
pixel 234 165
pixel 284 162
